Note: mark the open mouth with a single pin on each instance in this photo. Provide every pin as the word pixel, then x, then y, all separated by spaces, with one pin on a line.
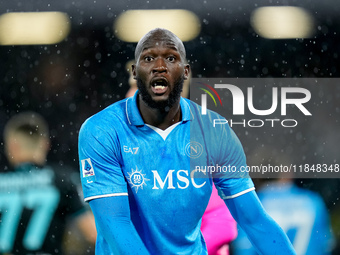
pixel 159 86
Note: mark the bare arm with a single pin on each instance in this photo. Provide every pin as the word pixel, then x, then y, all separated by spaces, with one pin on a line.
pixel 86 224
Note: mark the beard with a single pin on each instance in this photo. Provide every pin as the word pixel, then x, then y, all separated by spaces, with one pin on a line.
pixel 163 105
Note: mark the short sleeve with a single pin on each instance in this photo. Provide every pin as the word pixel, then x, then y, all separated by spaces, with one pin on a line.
pixel 71 204
pixel 100 170
pixel 235 181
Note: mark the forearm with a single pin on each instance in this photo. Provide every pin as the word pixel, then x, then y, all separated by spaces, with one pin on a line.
pixel 267 237
pixel 122 237
pixel 86 224
pixel 264 233
pixel 114 224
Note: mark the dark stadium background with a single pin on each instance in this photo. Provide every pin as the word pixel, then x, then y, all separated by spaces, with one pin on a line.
pixel 69 81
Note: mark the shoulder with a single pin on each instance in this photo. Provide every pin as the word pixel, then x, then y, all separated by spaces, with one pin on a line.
pixel 108 118
pixel 60 170
pixel 309 195
pixel 63 175
pixel 209 122
pixel 196 110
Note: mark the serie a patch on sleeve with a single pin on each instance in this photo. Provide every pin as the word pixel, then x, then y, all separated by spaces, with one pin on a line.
pixel 88 170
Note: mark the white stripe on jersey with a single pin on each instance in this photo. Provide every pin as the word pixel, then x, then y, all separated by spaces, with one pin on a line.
pixel 107 195
pixel 238 194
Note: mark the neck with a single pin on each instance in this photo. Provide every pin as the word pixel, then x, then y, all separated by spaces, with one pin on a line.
pixel 158 118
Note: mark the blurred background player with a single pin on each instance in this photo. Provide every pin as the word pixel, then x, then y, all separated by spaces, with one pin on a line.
pixel 301 213
pixel 217 218
pixel 132 82
pixel 36 199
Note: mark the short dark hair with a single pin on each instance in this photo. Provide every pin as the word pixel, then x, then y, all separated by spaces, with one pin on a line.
pixel 162 34
pixel 30 124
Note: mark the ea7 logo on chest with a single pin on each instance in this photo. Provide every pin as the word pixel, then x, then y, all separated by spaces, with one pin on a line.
pixel 133 150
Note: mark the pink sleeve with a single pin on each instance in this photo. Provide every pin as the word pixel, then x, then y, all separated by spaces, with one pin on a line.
pixel 218 226
pixel 215 200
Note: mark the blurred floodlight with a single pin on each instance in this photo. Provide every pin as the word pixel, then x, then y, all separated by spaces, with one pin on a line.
pixel 131 25
pixel 282 22
pixel 25 28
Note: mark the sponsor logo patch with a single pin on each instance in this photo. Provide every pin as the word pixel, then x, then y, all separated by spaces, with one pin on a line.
pixel 137 179
pixel 87 170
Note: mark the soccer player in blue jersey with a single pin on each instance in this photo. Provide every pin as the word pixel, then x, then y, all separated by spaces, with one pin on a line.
pixel 141 160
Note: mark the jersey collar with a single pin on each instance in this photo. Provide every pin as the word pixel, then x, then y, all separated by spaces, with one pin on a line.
pixel 134 117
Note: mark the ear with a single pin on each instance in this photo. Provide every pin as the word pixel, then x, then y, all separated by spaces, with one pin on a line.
pixel 186 71
pixel 13 151
pixel 10 146
pixel 134 71
pixel 48 145
pixel 45 145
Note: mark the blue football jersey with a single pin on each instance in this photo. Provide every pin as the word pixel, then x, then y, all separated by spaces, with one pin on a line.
pixel 165 173
pixel 301 214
